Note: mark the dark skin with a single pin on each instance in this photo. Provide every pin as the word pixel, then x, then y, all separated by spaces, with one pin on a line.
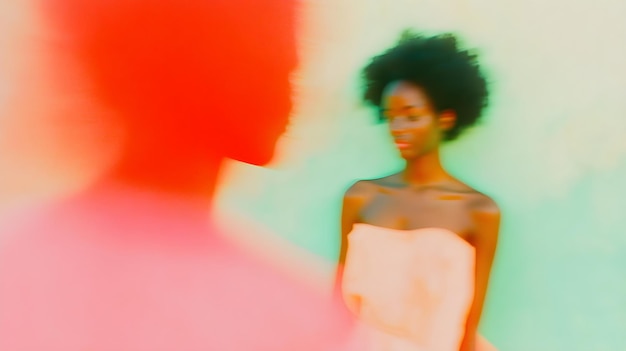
pixel 423 194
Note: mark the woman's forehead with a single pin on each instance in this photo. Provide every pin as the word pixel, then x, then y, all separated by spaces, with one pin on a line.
pixel 404 100
pixel 404 94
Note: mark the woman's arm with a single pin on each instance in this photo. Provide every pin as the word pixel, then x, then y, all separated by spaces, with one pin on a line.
pixel 353 200
pixel 486 216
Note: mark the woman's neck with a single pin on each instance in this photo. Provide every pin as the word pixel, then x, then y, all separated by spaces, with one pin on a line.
pixel 193 183
pixel 425 169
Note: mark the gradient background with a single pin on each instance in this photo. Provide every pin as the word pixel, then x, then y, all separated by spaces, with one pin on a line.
pixel 551 149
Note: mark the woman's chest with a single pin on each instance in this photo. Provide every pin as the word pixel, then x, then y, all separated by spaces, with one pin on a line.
pixel 408 210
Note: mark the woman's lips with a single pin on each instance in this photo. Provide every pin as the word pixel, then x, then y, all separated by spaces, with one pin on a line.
pixel 402 145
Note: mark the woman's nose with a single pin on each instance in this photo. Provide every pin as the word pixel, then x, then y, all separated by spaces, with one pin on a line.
pixel 398 125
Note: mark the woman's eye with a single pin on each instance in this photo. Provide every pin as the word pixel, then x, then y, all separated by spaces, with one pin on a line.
pixel 413 118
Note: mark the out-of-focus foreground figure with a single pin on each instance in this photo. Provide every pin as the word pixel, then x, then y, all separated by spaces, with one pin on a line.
pixel 133 263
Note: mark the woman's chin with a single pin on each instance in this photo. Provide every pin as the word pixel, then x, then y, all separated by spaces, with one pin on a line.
pixel 255 157
pixel 407 154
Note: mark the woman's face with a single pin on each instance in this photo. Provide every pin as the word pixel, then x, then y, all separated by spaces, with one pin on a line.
pixel 413 122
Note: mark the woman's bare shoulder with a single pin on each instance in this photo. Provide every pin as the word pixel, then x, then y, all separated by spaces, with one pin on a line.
pixel 360 189
pixel 476 199
pixel 369 187
pixel 484 203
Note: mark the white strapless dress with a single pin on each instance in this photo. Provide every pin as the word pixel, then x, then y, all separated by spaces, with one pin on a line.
pixel 410 289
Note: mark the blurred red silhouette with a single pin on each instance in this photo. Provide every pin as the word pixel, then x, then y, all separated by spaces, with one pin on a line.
pixel 133 262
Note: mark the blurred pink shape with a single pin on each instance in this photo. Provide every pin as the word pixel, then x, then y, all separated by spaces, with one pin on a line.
pixel 117 269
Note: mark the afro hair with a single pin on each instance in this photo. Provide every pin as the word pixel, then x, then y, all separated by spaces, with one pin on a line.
pixel 450 76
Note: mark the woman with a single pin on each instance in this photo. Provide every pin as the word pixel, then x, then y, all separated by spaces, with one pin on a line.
pixel 417 246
